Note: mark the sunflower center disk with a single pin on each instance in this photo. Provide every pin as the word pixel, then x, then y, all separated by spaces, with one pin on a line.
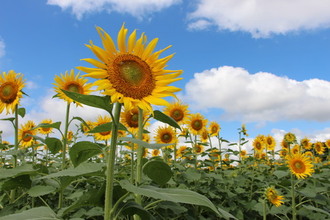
pixel 8 93
pixel 299 165
pixel 74 88
pixel 177 115
pixel 131 76
pixel 166 138
pixel 197 125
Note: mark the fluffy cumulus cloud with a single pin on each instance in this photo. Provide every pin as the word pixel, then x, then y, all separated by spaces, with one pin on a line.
pixel 137 8
pixel 261 18
pixel 259 97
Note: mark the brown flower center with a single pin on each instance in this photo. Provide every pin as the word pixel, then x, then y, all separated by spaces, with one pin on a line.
pixel 26 136
pixel 74 87
pixel 197 124
pixel 177 114
pixel 8 92
pixel 131 76
pixel 166 138
pixel 299 166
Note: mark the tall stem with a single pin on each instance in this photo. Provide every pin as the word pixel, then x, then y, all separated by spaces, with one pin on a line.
pixel 111 158
pixel 16 135
pixel 65 138
pixel 293 205
pixel 220 153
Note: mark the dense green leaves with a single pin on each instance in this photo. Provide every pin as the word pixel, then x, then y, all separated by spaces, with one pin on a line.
pixel 82 151
pixel 143 143
pixel 42 213
pixel 41 190
pixel 158 171
pixel 54 144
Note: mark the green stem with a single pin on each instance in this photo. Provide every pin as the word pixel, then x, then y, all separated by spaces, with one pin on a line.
pixel 220 154
pixel 293 205
pixel 13 192
pixel 264 210
pixel 65 138
pixel 111 157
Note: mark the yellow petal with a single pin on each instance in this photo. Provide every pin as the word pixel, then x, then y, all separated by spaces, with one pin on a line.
pixel 131 41
pixel 107 41
pixel 95 63
pixel 122 38
pixel 151 46
pixel 156 101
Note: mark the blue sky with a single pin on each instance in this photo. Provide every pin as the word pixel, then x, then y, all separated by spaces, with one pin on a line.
pixel 263 64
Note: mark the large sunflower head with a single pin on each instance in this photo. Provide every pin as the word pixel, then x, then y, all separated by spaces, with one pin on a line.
pixel 178 111
pixel 300 165
pixel 197 123
pixel 214 128
pixel 258 144
pixel 106 135
pixel 290 137
pixel 132 73
pixel 11 85
pixel 319 147
pixel 25 132
pixel 166 135
pixel 71 82
pixel 45 130
pixel 273 197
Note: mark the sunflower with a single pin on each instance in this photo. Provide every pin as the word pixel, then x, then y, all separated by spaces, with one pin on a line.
pixel 178 111
pixel 165 135
pixel 24 134
pixel 290 137
pixel 45 130
pixel 296 149
pixel 243 130
pixel 11 85
pixel 258 144
pixel 145 153
pixel 106 135
pixel 196 123
pixel 319 147
pixel 273 197
pixel 130 118
pixel 300 165
pixel 327 143
pixel 182 151
pixel 283 153
pixel 71 82
pixel 214 128
pixel 70 136
pixel 306 144
pixel 155 152
pixel 86 127
pixel 214 154
pixel 198 148
pixel 243 154
pixel 131 74
pixel 204 136
pixel 270 142
pixel 284 145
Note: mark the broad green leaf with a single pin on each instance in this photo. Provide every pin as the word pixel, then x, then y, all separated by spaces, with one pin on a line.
pixel 22 181
pixel 21 112
pixel 158 171
pixel 143 143
pixel 54 145
pixel 55 125
pixel 160 116
pixel 82 151
pixel 41 190
pixel 20 170
pixel 82 169
pixel 174 195
pixel 192 174
pixel 280 173
pixel 309 207
pixel 102 102
pixel 132 208
pixel 106 127
pixel 42 213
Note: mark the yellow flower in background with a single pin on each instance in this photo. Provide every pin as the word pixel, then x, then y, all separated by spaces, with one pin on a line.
pixel 243 130
pixel 258 144
pixel 270 142
pixel 132 74
pixel 198 148
pixel 319 147
pixel 306 144
pixel 284 145
pixel 300 165
pixel 243 153
pixel 214 128
pixel 45 130
pixel 71 82
pixel 196 123
pixel 283 153
pixel 24 134
pixel 204 136
pixel 290 137
pixel 182 151
pixel 155 152
pixel 273 197
pixel 87 127
pixel 178 111
pixel 296 149
pixel 165 135
pixel 70 135
pixel 130 119
pixel 11 85
pixel 106 135
pixel 327 143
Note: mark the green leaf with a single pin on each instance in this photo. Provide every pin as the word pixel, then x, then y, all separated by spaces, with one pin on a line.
pixel 174 195
pixel 82 151
pixel 54 145
pixel 158 171
pixel 8 119
pixel 102 102
pixel 312 208
pixel 41 190
pixel 21 170
pixel 160 116
pixel 82 169
pixel 42 212
pixel 106 127
pixel 280 173
pixel 21 112
pixel 55 125
pixel 132 208
pixel 22 181
pixel 143 143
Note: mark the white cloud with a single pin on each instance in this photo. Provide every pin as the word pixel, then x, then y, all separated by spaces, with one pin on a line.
pixel 262 18
pixel 137 8
pixel 2 48
pixel 258 97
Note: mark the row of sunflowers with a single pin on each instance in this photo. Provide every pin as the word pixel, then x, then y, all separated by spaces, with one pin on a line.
pixel 115 168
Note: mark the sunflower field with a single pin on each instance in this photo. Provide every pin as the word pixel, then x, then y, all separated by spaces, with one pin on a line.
pixel 114 168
